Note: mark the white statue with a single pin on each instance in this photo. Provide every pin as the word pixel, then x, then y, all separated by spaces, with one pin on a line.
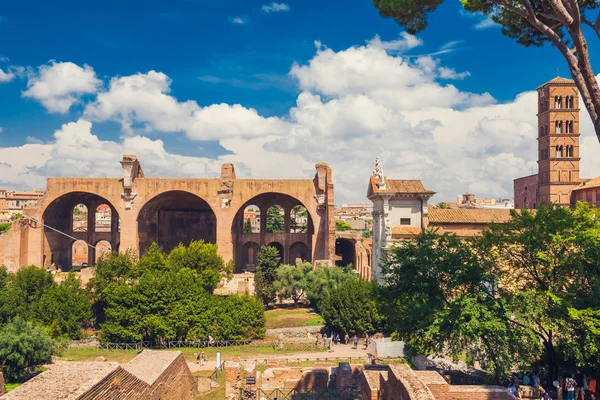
pixel 378 173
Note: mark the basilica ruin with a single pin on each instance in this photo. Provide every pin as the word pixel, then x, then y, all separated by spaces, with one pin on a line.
pixel 65 230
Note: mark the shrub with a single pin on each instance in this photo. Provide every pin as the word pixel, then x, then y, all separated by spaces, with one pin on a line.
pixel 23 347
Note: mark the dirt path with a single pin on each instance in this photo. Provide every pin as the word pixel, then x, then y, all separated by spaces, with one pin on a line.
pixel 339 351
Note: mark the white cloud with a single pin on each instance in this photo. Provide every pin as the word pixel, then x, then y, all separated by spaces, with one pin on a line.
pixel 60 85
pixel 0 129
pixel 355 104
pixel 239 20
pixel 275 7
pixel 485 24
pixel 450 73
pixel 4 59
pixel 76 151
pixel 144 99
pixel 6 76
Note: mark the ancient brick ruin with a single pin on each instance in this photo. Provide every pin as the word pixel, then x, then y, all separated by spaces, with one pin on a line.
pixel 152 375
pixel 142 210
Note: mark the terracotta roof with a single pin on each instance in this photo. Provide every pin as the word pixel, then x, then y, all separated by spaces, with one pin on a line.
pixel 406 230
pixel 460 232
pixel 558 80
pixel 468 215
pixel 412 186
pixel 592 183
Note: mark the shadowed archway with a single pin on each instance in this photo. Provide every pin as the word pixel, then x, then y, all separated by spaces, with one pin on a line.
pixel 175 217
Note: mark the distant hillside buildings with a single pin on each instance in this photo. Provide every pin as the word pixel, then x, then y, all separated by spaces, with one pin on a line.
pixel 13 202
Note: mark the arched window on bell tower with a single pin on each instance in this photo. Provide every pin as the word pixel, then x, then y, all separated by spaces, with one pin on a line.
pixel 559 151
pixel 558 126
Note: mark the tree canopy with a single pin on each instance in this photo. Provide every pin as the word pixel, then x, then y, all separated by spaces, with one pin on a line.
pixel 531 23
pixel 292 280
pixel 268 260
pixel 526 291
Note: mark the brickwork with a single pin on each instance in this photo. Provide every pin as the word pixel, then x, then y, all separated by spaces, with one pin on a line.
pixel 2 384
pixel 558 148
pixel 10 247
pixel 143 210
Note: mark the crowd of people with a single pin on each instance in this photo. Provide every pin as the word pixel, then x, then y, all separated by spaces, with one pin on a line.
pixel 568 387
pixel 335 339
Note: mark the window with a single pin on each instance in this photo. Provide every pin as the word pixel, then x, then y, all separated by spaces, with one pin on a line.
pixel 404 221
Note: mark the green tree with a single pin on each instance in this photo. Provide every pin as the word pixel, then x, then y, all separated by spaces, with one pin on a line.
pixel 65 308
pixel 23 347
pixel 351 308
pixel 443 205
pixel 321 281
pixel 268 260
pixel 292 280
pixel 23 292
pixel 526 288
pixel 299 213
pixel 531 23
pixel 342 226
pixel 366 234
pixel 248 226
pixel 4 226
pixel 275 222
pixel 201 257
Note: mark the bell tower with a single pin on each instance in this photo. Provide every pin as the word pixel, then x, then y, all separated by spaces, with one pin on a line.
pixel 558 141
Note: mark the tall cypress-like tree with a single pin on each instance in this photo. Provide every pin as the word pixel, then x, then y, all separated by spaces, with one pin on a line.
pixel 266 273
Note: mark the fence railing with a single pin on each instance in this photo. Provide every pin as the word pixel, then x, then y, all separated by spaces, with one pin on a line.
pixel 197 344
pixel 296 394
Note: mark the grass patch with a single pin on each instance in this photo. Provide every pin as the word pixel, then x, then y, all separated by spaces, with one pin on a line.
pixel 217 393
pixel 291 318
pixel 11 386
pixel 190 353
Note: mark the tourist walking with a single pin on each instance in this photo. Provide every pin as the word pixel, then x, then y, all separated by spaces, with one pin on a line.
pixel 580 388
pixel 355 340
pixel 526 379
pixel 570 386
pixel 347 339
pixel 591 390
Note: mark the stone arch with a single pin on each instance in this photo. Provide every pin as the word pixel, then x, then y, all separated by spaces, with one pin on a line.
pixel 58 218
pixel 80 253
pixel 174 217
pixel 286 238
pixel 280 249
pixel 297 251
pixel 250 253
pixel 102 247
pixel 80 218
pixel 345 252
pixel 102 218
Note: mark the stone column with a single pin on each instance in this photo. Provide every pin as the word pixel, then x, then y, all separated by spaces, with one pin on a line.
pixel 286 219
pixel 263 223
pixel 91 231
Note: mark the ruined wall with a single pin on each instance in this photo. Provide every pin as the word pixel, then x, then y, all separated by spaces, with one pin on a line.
pixel 127 196
pixel 10 247
pixel 403 384
pixel 118 385
pixel 175 383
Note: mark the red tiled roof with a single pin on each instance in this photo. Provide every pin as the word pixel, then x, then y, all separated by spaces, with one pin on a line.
pixel 460 232
pixel 406 230
pixel 592 183
pixel 468 215
pixel 559 80
pixel 400 186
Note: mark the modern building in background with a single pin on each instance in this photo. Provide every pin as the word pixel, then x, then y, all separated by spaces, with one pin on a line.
pixel 13 202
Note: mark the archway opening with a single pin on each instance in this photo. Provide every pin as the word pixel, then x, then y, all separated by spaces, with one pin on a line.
pixel 275 219
pixel 278 218
pixel 345 252
pixel 250 253
pixel 69 215
pixel 252 219
pixel 80 218
pixel 175 217
pixel 103 218
pixel 103 247
pixel 280 249
pixel 79 254
pixel 299 253
pixel 298 219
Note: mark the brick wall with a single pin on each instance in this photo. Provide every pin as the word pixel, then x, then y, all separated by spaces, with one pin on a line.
pixel 175 383
pixel 10 248
pixel 118 385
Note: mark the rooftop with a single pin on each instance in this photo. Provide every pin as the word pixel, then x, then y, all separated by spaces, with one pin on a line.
pixel 401 186
pixel 468 215
pixel 558 81
pixel 592 183
pixel 65 381
pixel 149 364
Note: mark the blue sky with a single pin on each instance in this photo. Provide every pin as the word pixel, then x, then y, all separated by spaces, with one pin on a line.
pixel 235 52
